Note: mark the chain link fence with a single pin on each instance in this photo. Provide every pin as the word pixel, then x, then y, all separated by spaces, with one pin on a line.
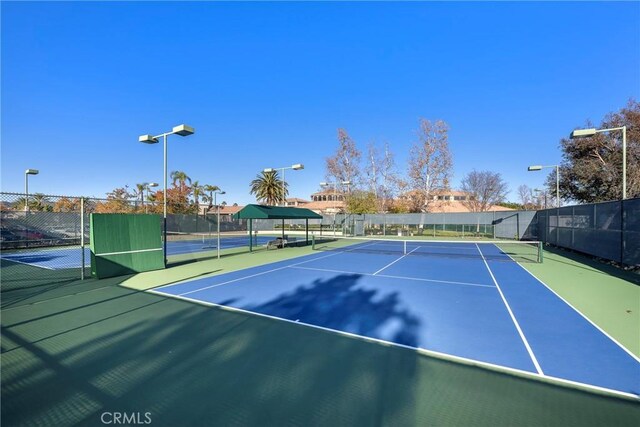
pixel 45 239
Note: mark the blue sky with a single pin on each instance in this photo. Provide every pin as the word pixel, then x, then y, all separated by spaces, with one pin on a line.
pixel 268 84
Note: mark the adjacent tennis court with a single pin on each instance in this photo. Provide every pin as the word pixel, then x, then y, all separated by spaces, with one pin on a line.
pixel 58 258
pixel 468 300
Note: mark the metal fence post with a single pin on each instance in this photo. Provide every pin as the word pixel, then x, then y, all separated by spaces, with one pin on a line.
pixel 493 224
pixel 558 226
pixel 573 226
pixel 622 226
pixel 82 238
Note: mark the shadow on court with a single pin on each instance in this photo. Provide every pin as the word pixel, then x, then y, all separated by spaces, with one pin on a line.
pixel 73 356
pixel 337 303
pixel 21 282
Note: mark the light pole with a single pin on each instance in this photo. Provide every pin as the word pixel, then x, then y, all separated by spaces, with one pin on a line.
pixel 539 167
pixel 26 186
pixel 182 130
pixel 215 202
pixel 296 167
pixel 586 133
pixel 147 186
pixel 335 197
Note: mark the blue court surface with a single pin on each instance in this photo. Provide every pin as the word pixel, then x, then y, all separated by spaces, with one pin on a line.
pixel 482 307
pixel 71 257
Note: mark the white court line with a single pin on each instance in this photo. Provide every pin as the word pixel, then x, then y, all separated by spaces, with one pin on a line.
pixel 394 277
pixel 31 264
pixel 626 350
pixel 257 274
pixel 436 281
pixel 515 322
pixel 430 353
pixel 393 262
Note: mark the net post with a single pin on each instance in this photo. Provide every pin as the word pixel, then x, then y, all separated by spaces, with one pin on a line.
pixel 540 251
pixel 404 247
pixel 313 241
pixel 82 238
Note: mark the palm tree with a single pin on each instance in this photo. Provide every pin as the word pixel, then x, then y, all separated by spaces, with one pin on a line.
pixel 139 192
pixel 197 189
pixel 40 202
pixel 209 189
pixel 268 188
pixel 20 204
pixel 209 198
pixel 181 178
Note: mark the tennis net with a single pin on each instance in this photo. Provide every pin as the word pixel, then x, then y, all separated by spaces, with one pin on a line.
pixel 510 251
pixel 210 239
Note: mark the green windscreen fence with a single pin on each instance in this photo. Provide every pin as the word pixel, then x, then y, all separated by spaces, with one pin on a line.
pixel 125 244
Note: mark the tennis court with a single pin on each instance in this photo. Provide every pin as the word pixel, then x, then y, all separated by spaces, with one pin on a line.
pixel 59 258
pixel 468 300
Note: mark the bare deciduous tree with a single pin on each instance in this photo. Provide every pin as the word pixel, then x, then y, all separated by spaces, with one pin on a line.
pixel 485 189
pixel 390 179
pixel 430 162
pixel 372 169
pixel 527 197
pixel 344 165
pixel 381 175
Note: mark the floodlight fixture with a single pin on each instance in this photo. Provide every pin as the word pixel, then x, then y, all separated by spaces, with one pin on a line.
pixel 540 167
pixel 148 139
pixel 183 130
pixel 583 133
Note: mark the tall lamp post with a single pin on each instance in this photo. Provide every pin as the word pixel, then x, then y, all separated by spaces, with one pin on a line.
pixel 26 186
pixel 586 133
pixel 215 202
pixel 539 167
pixel 296 167
pixel 335 197
pixel 182 130
pixel 147 186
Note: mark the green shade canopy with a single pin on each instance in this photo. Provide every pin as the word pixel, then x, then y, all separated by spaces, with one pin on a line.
pixel 275 212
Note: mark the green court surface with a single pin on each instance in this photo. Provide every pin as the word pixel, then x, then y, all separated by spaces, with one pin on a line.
pixel 73 350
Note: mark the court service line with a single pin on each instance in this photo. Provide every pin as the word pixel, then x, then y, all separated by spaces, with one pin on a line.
pixel 394 277
pixel 436 281
pixel 254 275
pixel 513 318
pixel 393 262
